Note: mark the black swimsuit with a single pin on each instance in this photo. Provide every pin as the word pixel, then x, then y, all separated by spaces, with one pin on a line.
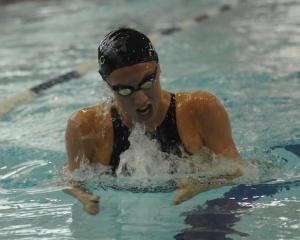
pixel 166 134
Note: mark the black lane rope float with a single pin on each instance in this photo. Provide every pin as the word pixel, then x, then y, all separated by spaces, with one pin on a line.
pixel 8 104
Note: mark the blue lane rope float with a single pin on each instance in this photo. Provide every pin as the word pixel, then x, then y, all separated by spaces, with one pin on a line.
pixel 8 104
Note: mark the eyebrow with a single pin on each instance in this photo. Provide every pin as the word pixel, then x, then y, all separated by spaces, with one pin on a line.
pixel 149 75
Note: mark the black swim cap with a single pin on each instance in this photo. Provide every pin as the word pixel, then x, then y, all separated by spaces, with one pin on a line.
pixel 124 47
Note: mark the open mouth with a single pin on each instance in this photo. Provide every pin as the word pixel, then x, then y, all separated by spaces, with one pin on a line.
pixel 144 110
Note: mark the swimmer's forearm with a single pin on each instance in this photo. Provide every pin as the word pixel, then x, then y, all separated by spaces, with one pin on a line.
pixel 229 178
pixel 90 201
pixel 80 193
pixel 191 187
pixel 76 192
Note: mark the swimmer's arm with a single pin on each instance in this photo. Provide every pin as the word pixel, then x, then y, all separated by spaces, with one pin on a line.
pixel 216 129
pixel 191 187
pixel 77 151
pixel 216 133
pixel 89 201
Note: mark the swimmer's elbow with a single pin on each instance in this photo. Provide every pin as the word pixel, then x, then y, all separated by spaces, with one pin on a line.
pixel 240 168
pixel 70 166
pixel 239 172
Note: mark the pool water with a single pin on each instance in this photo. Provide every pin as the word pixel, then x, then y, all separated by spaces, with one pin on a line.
pixel 248 57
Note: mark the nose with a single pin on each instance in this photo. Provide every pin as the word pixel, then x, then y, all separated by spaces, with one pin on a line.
pixel 140 97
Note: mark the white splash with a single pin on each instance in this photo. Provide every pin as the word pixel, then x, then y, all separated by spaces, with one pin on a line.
pixel 143 159
pixel 144 165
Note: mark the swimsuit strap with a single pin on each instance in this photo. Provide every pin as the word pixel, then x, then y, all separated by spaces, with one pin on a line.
pixel 166 133
pixel 120 139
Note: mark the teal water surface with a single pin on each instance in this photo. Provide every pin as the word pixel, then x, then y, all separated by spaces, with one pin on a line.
pixel 248 57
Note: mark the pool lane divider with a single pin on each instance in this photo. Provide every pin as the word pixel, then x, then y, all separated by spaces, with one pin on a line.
pixel 9 103
pixel 6 3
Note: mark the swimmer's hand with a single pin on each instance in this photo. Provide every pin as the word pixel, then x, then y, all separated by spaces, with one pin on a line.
pixel 89 201
pixel 91 204
pixel 189 188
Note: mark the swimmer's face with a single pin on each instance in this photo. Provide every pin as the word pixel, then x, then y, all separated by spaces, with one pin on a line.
pixel 137 91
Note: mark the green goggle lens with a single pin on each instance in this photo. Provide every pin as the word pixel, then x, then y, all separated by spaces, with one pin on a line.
pixel 125 91
pixel 147 85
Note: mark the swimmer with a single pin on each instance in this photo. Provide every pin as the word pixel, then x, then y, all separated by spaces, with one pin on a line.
pixel 183 123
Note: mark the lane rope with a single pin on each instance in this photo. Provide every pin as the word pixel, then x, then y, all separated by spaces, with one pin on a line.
pixel 11 102
pixel 6 3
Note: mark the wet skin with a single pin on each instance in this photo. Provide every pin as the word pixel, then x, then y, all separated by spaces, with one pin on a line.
pixel 201 119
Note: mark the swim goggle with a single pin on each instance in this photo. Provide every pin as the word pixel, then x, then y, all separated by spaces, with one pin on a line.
pixel 145 84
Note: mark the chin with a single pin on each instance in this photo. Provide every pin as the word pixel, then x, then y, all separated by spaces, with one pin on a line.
pixel 148 122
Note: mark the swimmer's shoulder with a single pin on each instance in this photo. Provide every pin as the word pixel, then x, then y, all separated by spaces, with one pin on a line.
pixel 197 101
pixel 91 118
pixel 91 130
